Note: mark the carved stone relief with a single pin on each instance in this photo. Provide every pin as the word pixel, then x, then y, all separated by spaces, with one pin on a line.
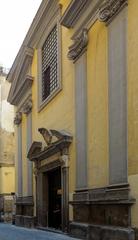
pixel 109 8
pixel 27 107
pixel 18 118
pixel 78 46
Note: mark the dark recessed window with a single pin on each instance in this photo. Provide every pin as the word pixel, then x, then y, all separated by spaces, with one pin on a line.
pixel 49 64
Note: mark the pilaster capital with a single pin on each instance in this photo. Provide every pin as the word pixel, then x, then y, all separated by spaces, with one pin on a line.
pixel 65 160
pixel 110 8
pixel 27 107
pixel 18 118
pixel 79 45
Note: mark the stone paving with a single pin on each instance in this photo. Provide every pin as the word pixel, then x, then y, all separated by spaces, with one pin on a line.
pixel 11 232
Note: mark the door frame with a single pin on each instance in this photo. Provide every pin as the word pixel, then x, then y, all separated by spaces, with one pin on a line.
pixel 55 154
pixel 42 205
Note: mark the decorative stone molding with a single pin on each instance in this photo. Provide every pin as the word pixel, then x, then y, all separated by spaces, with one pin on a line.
pixel 109 8
pixel 27 107
pixel 65 160
pixel 73 12
pixel 54 146
pixel 24 87
pixel 28 200
pixel 34 150
pixel 49 135
pixel 79 45
pixel 18 118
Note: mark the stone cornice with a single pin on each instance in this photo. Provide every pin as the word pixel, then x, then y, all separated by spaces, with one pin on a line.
pixel 27 56
pixel 18 118
pixel 119 194
pixel 58 146
pixel 22 78
pixel 27 107
pixel 73 12
pixel 110 8
pixel 22 89
pixel 35 148
pixel 79 45
pixel 28 200
pixel 43 16
pixel 48 11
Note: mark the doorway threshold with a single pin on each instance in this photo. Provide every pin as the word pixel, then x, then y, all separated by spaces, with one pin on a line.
pixel 51 230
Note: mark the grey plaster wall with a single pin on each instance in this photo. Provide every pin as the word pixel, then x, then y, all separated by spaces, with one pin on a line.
pixel 117 39
pixel 81 121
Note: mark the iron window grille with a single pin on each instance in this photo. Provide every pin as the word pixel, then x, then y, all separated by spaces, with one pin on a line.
pixel 49 64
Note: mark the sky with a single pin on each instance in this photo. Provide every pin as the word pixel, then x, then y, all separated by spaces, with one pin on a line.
pixel 15 19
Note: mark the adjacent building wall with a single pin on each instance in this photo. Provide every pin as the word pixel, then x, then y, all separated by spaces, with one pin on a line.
pixel 7 145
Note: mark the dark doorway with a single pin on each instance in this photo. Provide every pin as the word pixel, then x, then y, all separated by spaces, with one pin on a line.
pixel 54 208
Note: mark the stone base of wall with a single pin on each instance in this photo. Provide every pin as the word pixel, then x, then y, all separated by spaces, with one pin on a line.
pixel 136 233
pixel 25 221
pixel 98 232
pixel 6 208
pixel 24 212
pixel 103 213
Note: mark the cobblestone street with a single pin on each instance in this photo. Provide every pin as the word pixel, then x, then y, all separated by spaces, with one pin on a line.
pixel 10 232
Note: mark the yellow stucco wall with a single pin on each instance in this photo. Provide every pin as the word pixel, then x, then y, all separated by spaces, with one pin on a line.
pixel 7 180
pixel 59 113
pixel 133 181
pixel 97 83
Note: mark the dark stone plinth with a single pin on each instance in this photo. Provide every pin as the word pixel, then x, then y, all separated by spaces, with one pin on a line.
pixel 79 230
pixel 19 220
pixel 102 213
pixel 25 221
pixel 114 233
pixel 136 233
pixel 98 232
pixel 105 214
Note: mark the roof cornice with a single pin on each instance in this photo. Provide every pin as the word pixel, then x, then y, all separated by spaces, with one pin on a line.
pixel 19 75
pixel 22 80
pixel 27 53
pixel 31 35
pixel 25 86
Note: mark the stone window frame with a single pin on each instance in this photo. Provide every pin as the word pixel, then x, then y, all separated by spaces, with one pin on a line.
pixel 43 103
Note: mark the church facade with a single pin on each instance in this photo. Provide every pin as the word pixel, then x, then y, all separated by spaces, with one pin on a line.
pixel 74 88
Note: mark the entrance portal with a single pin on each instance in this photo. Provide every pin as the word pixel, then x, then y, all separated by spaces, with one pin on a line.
pixel 51 169
pixel 54 195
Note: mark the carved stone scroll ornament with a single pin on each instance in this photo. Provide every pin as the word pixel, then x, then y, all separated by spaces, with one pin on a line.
pixel 50 135
pixel 109 8
pixel 27 108
pixel 18 118
pixel 47 135
pixel 79 45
